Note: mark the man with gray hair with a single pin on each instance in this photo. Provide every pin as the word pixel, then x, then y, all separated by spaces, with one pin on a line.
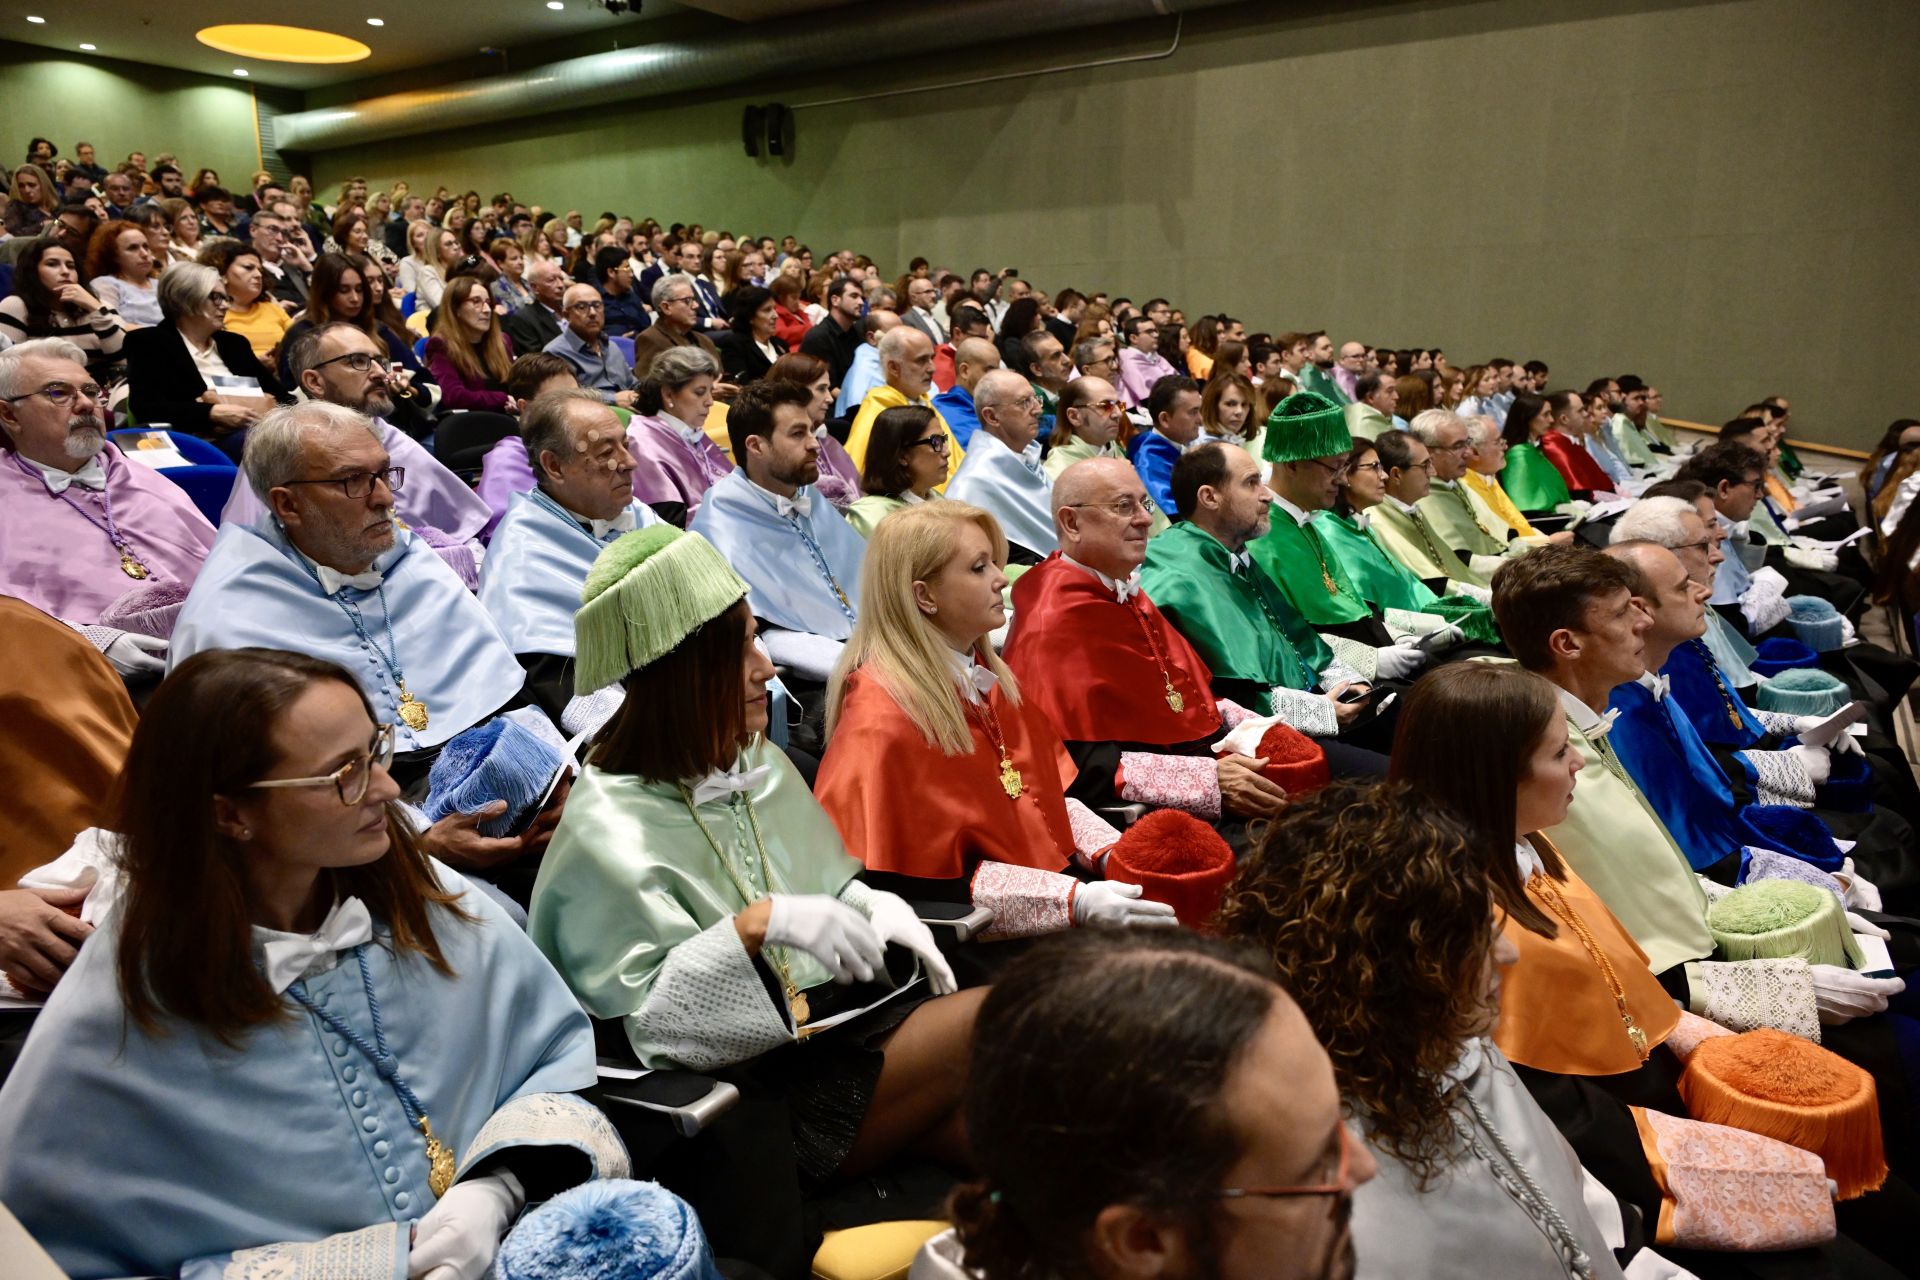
pixel 340 364
pixel 1450 509
pixel 1002 473
pixel 676 309
pixel 539 322
pixel 538 560
pixel 906 362
pixel 80 526
pixel 597 361
pixel 332 575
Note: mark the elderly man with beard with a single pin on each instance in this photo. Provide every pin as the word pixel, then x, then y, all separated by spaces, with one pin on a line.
pixel 80 526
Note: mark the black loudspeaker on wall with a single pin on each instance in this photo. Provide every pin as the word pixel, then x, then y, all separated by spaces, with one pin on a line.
pixel 753 126
pixel 779 130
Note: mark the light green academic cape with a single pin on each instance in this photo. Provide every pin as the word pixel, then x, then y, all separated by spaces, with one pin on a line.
pixel 1409 539
pixel 1364 422
pixel 1239 622
pixel 1385 583
pixel 1628 442
pixel 869 510
pixel 1663 433
pixel 1459 521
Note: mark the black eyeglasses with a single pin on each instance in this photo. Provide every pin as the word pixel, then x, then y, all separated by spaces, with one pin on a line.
pixel 1338 469
pixel 360 483
pixel 936 442
pixel 358 361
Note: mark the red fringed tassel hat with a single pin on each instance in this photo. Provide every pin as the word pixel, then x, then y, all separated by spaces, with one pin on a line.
pixel 1294 761
pixel 1177 859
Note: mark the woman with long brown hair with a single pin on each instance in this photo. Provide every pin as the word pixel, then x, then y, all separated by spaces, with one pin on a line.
pixel 341 289
pixel 321 1016
pixel 468 354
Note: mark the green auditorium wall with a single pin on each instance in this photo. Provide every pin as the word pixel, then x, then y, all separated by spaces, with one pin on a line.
pixel 126 106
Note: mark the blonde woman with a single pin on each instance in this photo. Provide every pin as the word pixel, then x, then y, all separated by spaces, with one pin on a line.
pixel 920 693
pixel 183 227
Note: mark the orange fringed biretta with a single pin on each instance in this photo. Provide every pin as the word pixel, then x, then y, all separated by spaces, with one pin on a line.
pixel 1769 1082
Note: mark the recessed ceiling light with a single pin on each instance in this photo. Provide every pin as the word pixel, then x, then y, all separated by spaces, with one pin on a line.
pixel 551 4
pixel 376 22
pixel 241 71
pixel 89 47
pixel 34 20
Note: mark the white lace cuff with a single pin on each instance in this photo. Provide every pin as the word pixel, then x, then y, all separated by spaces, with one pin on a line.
pixel 1712 1176
pixel 1779 778
pixel 1776 722
pixel 1310 713
pixel 1338 672
pixel 552 1120
pixel 1471 591
pixel 858 895
pixel 1485 566
pixel 366 1254
pixel 1025 901
pixel 1232 713
pixel 1191 783
pixel 1755 993
pixel 96 635
pixel 1358 657
pixel 1093 835
pixel 708 1007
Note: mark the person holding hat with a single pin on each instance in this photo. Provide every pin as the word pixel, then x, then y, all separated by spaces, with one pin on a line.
pixel 921 695
pixel 543 550
pixel 698 894
pixel 295 1043
pixel 1259 650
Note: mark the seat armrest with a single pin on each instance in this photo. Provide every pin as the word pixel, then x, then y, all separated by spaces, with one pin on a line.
pixel 1123 815
pixel 690 1101
pixel 964 918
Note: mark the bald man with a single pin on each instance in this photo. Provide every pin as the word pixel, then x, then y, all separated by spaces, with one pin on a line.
pixel 906 364
pixel 598 363
pixel 973 359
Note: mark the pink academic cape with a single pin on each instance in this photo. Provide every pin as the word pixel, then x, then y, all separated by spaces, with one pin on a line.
pixel 54 549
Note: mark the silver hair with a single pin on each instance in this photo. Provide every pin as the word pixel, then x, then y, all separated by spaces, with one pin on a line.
pixel 1480 429
pixel 1427 424
pixel 999 386
pixel 672 280
pixel 545 424
pixel 1084 352
pixel 894 343
pixel 677 366
pixel 12 381
pixel 185 288
pixel 273 451
pixel 1660 520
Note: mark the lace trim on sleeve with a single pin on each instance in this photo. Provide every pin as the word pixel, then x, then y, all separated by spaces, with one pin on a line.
pixel 552 1120
pixel 1729 1190
pixel 1310 713
pixel 1358 657
pixel 1756 993
pixel 708 1007
pixel 351 1255
pixel 1779 778
pixel 1191 783
pixel 1024 900
pixel 1776 722
pixel 1093 835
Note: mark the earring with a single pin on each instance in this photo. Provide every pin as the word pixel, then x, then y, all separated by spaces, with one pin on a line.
pixel 245 833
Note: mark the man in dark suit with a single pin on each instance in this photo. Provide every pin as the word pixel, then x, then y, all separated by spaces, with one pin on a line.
pixel 533 326
pixel 921 297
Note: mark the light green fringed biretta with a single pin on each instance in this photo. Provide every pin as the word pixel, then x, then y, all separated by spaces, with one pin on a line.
pixel 648 591
pixel 1778 919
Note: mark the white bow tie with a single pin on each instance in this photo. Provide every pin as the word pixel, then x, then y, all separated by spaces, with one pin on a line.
pixel 722 783
pixel 622 523
pixel 286 959
pixel 977 681
pixel 798 505
pixel 1361 520
pixel 92 476
pixel 694 436
pixel 1239 561
pixel 1123 591
pixel 1605 726
pixel 1658 686
pixel 332 582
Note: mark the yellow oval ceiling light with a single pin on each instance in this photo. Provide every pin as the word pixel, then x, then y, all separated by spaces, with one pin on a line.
pixel 272 43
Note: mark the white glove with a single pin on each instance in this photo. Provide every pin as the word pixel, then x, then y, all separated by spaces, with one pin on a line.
pixel 1400 659
pixel 459 1236
pixel 1861 892
pixel 132 654
pixel 1841 995
pixel 1442 638
pixel 1114 903
pixel 830 931
pixel 1860 924
pixel 894 921
pixel 1817 561
pixel 1815 760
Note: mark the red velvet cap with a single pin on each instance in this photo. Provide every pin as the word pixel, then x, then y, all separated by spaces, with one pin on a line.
pixel 1294 760
pixel 1177 859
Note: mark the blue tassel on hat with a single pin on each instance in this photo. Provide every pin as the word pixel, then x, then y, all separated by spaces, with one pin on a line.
pixel 613 1229
pixel 497 760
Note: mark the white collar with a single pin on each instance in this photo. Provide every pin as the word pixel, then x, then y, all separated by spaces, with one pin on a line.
pixel 92 476
pixel 285 958
pixel 332 581
pixel 1406 507
pixel 723 784
pixel 911 498
pixel 622 523
pixel 692 435
pixel 1585 718
pixel 1529 860
pixel 800 504
pixel 1121 590
pixel 1473 1056
pixel 1298 516
pixel 1361 519
pixel 1656 685
pixel 975 680
pixel 1448 485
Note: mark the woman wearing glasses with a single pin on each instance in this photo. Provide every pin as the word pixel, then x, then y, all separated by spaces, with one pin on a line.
pixel 906 458
pixel 171 367
pixel 251 313
pixel 335 1056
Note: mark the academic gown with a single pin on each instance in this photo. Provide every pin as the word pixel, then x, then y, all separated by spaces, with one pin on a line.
pixel 1450 510
pixel 1494 510
pixel 802 572
pixel 879 400
pixel 54 549
pixel 677 466
pixel 129 1153
pixel 636 912
pixel 431 495
pixel 530 585
pixel 1575 465
pixel 256 589
pixel 1013 488
pixel 957 814
pixel 1153 456
pixel 1385 583
pixel 1532 481
pixel 1410 538
pixel 1299 559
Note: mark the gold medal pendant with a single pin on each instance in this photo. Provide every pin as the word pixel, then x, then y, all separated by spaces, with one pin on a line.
pixel 131 567
pixel 1174 699
pixel 1635 1035
pixel 1326 580
pixel 413 712
pixel 1010 777
pixel 798 1005
pixel 439 1161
